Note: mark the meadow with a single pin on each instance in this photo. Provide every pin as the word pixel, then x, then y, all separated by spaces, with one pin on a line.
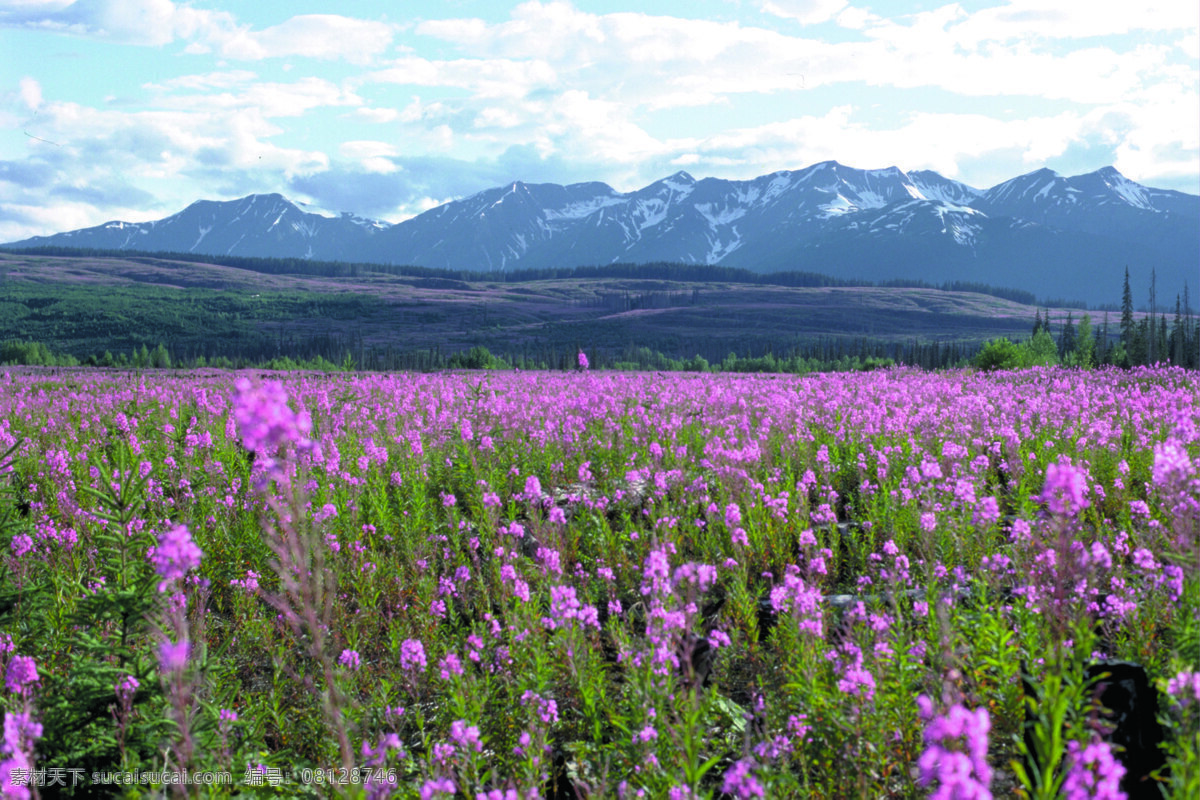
pixel 590 584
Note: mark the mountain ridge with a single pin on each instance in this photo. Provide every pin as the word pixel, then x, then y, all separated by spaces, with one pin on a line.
pixel 1050 234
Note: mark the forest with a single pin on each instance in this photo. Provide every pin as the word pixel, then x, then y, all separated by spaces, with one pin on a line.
pixel 454 320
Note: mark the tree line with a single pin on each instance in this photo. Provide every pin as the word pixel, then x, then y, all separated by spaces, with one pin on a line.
pixel 1134 342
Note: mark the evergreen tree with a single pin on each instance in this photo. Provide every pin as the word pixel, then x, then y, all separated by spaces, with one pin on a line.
pixel 160 358
pixel 1037 322
pixel 1066 341
pixel 1103 351
pixel 1137 348
pixel 1176 338
pixel 1152 352
pixel 1127 324
pixel 1160 338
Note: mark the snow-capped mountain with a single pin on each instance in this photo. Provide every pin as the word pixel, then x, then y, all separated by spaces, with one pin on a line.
pixel 264 225
pixel 1055 236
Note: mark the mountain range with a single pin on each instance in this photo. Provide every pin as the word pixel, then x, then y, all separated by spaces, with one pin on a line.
pixel 1056 236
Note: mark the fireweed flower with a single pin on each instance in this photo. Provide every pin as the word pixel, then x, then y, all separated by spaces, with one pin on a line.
pixel 174 555
pixel 465 736
pixel 1065 490
pixel 740 781
pixel 582 360
pixel 350 659
pixel 450 667
pixel 1092 772
pixel 267 423
pixel 173 656
pixel 1172 465
pixel 436 787
pixel 1185 688
pixel 803 601
pixel 125 689
pixel 955 756
pixel 20 731
pixel 412 655
pixel 21 673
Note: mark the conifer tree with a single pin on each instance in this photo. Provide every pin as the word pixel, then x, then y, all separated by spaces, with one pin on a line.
pixel 1127 325
pixel 1066 342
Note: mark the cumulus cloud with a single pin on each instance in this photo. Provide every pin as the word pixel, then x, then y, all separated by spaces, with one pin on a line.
pixel 805 11
pixel 160 22
pixel 445 107
pixel 31 93
pixel 141 22
pixel 325 36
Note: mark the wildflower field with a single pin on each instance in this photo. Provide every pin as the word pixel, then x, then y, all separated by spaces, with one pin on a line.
pixel 515 585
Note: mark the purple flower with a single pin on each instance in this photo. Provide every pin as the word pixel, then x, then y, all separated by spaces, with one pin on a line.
pixel 1185 688
pixel 174 555
pixel 268 424
pixel 450 667
pixel 431 789
pixel 125 689
pixel 1092 772
pixel 1172 465
pixel 247 584
pixel 412 655
pixel 533 489
pixel 582 359
pixel 173 656
pixel 350 659
pixel 15 771
pixel 465 736
pixel 22 671
pixel 1065 490
pixel 740 781
pixel 955 756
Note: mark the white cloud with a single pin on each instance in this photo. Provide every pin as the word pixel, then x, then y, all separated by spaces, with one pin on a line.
pixel 372 156
pixel 160 22
pixel 1070 19
pixel 554 90
pixel 376 115
pixel 326 36
pixel 224 79
pixel 31 93
pixel 141 22
pixel 267 99
pixel 805 11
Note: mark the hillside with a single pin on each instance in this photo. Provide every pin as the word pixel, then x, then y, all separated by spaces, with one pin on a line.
pixel 86 305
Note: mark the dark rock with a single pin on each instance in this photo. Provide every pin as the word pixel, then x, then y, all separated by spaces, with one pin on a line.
pixel 1128 710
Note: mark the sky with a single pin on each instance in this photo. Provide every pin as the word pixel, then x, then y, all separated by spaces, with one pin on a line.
pixel 132 109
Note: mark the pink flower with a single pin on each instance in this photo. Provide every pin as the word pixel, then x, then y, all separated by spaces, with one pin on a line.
pixel 22 671
pixel 955 756
pixel 412 655
pixel 174 555
pixel 268 424
pixel 173 656
pixel 740 781
pixel 1065 490
pixel 1092 772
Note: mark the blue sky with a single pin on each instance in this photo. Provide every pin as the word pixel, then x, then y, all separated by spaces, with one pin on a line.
pixel 131 109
